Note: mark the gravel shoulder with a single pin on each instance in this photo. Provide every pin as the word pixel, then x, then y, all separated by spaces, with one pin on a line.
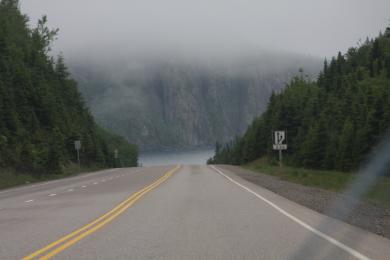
pixel 365 215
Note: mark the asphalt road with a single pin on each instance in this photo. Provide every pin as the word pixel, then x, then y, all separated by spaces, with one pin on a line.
pixel 192 212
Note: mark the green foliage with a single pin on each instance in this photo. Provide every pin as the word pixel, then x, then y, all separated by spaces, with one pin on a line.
pixel 127 153
pixel 332 123
pixel 324 179
pixel 41 110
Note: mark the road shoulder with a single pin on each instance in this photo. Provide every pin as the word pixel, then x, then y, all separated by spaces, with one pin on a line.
pixel 366 215
pixel 350 235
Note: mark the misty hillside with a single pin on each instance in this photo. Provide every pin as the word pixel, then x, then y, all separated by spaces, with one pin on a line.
pixel 166 103
pixel 333 122
pixel 42 112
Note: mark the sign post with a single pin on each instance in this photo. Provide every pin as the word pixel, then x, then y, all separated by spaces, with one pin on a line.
pixel 116 156
pixel 280 143
pixel 77 146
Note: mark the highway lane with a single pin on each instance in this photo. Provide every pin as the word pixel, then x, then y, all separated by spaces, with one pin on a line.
pixel 195 213
pixel 30 218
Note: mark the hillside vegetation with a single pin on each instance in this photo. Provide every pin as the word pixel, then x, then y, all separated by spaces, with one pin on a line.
pixel 331 123
pixel 41 111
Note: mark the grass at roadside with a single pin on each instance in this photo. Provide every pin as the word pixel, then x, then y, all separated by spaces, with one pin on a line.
pixel 329 180
pixel 9 178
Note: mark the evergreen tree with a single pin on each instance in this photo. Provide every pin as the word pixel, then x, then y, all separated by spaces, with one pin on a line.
pixel 332 123
pixel 41 110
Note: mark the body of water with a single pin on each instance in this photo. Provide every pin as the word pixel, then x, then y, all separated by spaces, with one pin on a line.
pixel 196 156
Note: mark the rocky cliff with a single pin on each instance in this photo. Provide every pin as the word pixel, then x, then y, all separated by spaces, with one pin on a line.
pixel 167 103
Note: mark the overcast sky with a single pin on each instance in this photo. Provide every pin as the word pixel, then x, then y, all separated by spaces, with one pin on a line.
pixel 312 27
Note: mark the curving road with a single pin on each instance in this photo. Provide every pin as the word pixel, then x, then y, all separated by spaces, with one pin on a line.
pixel 188 212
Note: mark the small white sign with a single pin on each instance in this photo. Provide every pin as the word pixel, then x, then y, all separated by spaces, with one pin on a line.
pixel 280 140
pixel 280 146
pixel 77 144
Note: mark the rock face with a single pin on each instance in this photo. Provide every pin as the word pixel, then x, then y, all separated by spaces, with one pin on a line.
pixel 174 104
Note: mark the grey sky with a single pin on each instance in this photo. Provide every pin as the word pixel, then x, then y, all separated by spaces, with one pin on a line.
pixel 313 27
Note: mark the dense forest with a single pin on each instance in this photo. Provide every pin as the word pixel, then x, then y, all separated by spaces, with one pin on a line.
pixel 41 111
pixel 331 123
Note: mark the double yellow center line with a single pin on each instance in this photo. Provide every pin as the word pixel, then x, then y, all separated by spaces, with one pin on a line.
pixel 63 243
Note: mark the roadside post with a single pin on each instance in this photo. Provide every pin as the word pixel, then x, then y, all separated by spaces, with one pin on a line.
pixel 77 146
pixel 279 143
pixel 116 156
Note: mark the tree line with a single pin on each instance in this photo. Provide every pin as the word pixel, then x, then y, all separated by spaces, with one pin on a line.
pixel 41 110
pixel 333 122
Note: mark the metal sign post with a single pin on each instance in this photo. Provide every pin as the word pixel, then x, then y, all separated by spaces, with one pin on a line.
pixel 279 143
pixel 116 156
pixel 77 146
pixel 280 158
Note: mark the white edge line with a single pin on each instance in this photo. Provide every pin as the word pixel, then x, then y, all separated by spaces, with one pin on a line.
pixel 22 187
pixel 28 201
pixel 337 243
pixel 51 195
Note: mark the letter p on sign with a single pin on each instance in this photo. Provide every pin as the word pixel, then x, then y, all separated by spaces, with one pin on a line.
pixel 280 142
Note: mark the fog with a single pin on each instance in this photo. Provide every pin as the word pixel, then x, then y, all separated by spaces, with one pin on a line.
pixel 136 58
pixel 146 27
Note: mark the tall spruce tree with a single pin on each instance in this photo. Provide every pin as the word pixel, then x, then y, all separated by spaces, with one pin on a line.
pixel 332 123
pixel 41 111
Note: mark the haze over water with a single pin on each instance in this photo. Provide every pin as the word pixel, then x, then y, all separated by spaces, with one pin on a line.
pixel 196 156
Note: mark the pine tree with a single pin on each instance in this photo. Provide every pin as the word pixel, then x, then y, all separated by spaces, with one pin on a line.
pixel 41 110
pixel 332 123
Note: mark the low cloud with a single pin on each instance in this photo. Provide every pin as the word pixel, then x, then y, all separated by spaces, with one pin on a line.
pixel 311 27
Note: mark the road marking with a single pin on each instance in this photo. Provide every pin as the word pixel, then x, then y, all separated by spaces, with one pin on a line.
pixel 28 185
pixel 28 201
pixel 72 238
pixel 83 186
pixel 81 176
pixel 95 183
pixel 330 239
pixel 51 195
pixel 70 190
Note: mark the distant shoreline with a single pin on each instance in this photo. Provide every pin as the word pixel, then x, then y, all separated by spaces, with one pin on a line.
pixel 177 149
pixel 194 155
